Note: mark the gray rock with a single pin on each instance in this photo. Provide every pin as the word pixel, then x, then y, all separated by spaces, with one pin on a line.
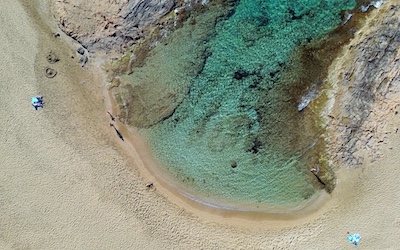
pixel 83 60
pixel 110 25
pixel 80 50
pixel 370 74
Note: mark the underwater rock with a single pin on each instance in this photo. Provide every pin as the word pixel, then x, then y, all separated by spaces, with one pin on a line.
pixel 240 74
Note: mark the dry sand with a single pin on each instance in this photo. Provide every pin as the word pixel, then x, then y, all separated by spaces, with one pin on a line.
pixel 68 182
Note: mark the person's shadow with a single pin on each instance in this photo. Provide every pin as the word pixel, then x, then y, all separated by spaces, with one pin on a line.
pixel 118 133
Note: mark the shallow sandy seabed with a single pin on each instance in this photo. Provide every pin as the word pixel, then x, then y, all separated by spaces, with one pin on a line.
pixel 67 181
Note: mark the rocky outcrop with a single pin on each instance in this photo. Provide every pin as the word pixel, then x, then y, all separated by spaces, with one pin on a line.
pixel 151 80
pixel 127 30
pixel 366 82
pixel 109 25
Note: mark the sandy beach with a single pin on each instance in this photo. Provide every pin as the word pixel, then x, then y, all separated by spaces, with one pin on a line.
pixel 68 182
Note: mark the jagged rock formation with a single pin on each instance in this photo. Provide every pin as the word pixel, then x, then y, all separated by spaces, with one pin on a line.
pixel 156 75
pixel 109 25
pixel 366 79
pixel 131 28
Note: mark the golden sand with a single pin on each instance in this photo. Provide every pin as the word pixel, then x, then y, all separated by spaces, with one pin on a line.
pixel 68 181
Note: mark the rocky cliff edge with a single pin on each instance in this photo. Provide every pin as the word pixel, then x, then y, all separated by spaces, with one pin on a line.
pixel 110 25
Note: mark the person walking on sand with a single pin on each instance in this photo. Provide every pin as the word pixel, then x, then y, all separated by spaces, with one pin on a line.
pixel 111 116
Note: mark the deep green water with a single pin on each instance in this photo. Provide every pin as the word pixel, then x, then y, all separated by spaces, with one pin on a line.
pixel 236 102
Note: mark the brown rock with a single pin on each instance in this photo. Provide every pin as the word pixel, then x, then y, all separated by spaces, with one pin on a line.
pixel 109 25
pixel 371 65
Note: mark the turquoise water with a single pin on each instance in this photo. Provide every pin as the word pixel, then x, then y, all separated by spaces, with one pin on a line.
pixel 234 102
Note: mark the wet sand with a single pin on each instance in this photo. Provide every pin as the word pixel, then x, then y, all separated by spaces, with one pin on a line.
pixel 69 182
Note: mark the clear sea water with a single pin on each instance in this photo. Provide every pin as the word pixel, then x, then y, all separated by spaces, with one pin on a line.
pixel 231 72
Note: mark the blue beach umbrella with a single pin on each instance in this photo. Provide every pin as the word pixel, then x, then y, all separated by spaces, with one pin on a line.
pixel 35 100
pixel 354 239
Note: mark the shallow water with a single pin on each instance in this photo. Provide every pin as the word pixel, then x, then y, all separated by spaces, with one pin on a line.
pixel 234 103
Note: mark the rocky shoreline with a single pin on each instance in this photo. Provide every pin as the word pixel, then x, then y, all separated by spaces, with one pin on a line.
pixel 69 183
pixel 108 25
pixel 365 90
pixel 114 27
pixel 360 81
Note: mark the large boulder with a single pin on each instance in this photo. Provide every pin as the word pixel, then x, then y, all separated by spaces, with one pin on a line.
pixel 109 25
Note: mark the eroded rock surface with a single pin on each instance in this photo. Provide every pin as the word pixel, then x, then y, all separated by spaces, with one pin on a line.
pixel 114 27
pixel 109 25
pixel 154 86
pixel 367 84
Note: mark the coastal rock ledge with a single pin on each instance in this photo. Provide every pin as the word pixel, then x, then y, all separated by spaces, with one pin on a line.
pixel 366 89
pixel 110 25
